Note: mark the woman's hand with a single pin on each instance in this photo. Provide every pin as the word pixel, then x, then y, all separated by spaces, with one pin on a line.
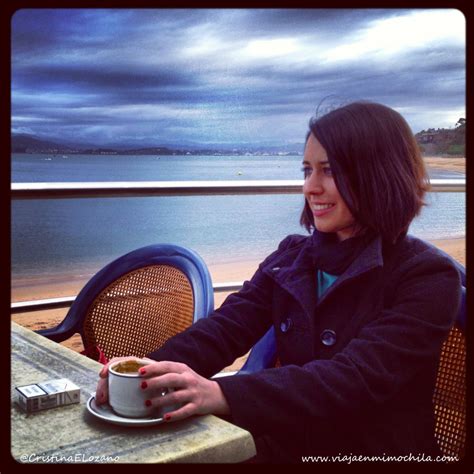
pixel 196 395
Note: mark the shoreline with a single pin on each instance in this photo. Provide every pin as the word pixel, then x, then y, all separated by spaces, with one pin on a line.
pixel 69 284
pixel 446 163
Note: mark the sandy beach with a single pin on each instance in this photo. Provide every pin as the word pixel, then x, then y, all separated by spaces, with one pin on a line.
pixel 446 163
pixel 49 286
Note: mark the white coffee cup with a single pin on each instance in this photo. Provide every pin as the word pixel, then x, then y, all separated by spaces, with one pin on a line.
pixel 126 397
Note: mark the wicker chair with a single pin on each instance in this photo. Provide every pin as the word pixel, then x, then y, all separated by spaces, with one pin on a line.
pixel 138 301
pixel 449 398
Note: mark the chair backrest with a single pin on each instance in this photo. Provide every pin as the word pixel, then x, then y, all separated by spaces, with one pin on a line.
pixel 138 301
pixel 449 398
pixel 263 354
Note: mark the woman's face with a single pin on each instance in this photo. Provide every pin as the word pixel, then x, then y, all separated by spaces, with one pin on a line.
pixel 329 209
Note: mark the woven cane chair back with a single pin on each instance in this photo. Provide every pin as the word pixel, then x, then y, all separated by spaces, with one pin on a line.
pixel 138 301
pixel 449 398
pixel 138 312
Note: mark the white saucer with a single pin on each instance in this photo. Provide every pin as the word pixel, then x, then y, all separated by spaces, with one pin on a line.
pixel 105 412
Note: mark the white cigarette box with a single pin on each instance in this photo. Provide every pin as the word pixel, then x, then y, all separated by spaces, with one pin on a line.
pixel 49 394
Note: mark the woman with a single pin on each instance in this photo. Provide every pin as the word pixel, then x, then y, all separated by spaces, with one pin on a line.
pixel 360 310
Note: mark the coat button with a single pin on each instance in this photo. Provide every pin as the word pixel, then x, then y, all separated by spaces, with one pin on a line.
pixel 328 337
pixel 275 269
pixel 286 325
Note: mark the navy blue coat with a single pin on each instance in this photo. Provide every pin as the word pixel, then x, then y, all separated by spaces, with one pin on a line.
pixel 369 392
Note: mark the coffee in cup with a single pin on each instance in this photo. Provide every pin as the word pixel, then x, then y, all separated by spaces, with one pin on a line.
pixel 128 367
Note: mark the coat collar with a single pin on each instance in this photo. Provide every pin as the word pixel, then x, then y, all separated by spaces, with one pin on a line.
pixel 294 272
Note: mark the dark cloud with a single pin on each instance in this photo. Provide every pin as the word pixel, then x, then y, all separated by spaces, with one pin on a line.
pixel 99 78
pixel 201 74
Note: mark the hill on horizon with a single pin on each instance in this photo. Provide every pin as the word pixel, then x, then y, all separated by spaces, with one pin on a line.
pixel 439 141
pixel 444 141
pixel 25 143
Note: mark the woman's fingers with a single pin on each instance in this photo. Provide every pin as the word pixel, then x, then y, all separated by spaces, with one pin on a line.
pixel 164 367
pixel 185 411
pixel 102 391
pixel 178 399
pixel 173 397
pixel 172 380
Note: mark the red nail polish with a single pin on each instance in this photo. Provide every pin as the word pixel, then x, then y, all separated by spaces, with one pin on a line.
pixel 148 403
pixel 167 417
pixel 142 371
pixel 144 384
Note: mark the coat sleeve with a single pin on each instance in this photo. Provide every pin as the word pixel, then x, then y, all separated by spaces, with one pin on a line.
pixel 389 351
pixel 215 342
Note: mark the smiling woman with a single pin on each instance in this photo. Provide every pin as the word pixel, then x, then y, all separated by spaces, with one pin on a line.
pixel 359 310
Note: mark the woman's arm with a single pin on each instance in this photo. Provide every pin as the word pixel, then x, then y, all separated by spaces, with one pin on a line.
pixel 214 342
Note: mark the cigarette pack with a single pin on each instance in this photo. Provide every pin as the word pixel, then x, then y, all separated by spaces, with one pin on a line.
pixel 49 394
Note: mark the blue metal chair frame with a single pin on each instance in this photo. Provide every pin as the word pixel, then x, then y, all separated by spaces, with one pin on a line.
pixel 264 353
pixel 184 259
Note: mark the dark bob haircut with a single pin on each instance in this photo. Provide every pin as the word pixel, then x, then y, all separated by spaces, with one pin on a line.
pixel 377 167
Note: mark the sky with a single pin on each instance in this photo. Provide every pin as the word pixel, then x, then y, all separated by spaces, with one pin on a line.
pixel 151 77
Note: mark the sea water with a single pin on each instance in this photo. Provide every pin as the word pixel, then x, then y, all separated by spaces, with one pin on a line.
pixel 56 235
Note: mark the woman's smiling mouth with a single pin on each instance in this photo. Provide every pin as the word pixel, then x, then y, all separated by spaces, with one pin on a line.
pixel 321 209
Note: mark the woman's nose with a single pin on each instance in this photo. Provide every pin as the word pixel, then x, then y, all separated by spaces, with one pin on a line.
pixel 312 184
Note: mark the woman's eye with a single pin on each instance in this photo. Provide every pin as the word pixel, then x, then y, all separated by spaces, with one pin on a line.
pixel 327 171
pixel 306 170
